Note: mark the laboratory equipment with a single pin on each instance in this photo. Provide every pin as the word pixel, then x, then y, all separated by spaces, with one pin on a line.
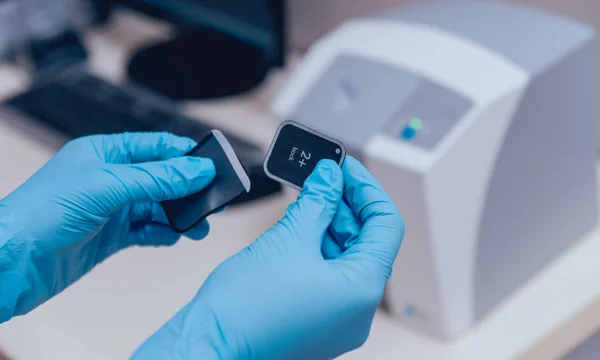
pixel 479 119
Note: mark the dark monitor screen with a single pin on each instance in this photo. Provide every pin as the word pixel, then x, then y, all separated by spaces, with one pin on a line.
pixel 258 22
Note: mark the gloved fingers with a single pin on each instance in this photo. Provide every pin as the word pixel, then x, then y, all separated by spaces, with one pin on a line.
pixel 383 227
pixel 343 232
pixel 143 212
pixel 157 181
pixel 330 249
pixel 154 213
pixel 152 234
pixel 221 210
pixel 308 218
pixel 199 231
pixel 131 148
pixel 346 226
pixel 148 212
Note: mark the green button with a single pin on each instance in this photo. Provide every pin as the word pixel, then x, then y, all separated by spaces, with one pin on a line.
pixel 416 123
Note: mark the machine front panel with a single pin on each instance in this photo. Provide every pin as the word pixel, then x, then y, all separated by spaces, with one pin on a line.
pixel 428 115
pixel 355 99
pixel 358 98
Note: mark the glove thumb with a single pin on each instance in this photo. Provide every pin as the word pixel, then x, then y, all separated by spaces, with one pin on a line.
pixel 309 217
pixel 159 181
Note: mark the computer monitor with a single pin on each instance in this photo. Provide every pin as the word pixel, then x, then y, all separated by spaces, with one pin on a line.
pixel 230 43
pixel 258 22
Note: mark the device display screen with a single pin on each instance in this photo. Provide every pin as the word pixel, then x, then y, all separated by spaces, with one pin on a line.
pixel 296 151
pixel 251 20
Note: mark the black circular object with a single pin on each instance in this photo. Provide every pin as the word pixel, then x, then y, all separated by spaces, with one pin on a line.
pixel 199 64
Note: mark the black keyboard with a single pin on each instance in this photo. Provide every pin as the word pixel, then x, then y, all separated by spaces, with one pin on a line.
pixel 79 104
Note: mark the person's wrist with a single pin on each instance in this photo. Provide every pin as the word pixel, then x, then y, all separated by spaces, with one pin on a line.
pixel 16 281
pixel 212 341
pixel 194 332
pixel 215 337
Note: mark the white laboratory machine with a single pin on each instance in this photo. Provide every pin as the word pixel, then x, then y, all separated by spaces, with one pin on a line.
pixel 479 119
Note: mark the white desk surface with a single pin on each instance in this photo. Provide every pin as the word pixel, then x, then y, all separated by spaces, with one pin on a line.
pixel 113 309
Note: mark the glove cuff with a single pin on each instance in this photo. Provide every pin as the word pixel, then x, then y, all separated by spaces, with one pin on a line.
pixel 193 333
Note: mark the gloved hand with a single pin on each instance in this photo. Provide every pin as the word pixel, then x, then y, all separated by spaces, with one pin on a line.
pixel 294 293
pixel 97 195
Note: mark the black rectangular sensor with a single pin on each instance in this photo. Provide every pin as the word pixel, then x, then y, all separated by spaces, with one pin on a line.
pixel 295 152
pixel 231 181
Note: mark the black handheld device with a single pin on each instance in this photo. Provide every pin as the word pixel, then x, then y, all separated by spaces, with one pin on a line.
pixel 295 152
pixel 230 182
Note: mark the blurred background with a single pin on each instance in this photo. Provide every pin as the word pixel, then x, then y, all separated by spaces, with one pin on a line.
pixel 480 118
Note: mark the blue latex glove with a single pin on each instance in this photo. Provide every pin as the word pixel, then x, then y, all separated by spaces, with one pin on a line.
pixel 293 293
pixel 96 196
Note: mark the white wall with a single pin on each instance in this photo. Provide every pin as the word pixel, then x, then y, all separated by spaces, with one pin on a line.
pixel 309 19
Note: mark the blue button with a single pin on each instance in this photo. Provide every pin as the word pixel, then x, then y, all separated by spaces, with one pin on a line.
pixel 408 133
